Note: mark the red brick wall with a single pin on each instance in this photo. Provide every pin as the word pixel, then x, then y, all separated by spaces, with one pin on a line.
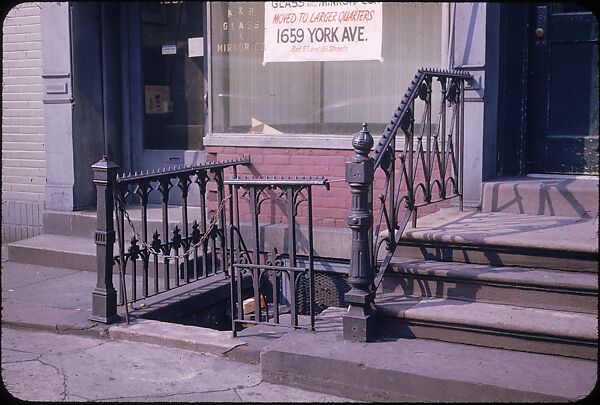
pixel 330 207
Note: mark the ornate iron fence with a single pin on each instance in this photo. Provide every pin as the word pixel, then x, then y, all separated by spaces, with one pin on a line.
pixel 270 272
pixel 427 169
pixel 176 255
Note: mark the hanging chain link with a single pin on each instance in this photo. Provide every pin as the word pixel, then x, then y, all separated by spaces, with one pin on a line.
pixel 192 248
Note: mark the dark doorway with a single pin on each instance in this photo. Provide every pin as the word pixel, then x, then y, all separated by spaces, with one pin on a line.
pixel 172 50
pixel 562 110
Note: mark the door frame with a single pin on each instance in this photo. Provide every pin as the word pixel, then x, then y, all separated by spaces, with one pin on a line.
pixel 513 147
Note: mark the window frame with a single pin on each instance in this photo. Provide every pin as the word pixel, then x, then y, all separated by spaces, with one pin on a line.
pixel 296 140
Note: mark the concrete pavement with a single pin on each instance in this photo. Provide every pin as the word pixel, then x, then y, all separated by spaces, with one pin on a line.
pixel 83 361
pixel 154 361
pixel 43 366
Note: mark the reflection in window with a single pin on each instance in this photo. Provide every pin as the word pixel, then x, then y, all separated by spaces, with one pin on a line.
pixel 173 75
pixel 314 97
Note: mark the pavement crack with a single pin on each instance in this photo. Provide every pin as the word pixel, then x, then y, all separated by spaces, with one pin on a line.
pixel 44 280
pixel 18 351
pixel 98 345
pixel 235 390
pixel 60 373
pixel 237 394
pixel 166 395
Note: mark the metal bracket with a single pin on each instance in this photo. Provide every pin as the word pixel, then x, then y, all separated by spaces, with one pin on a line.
pixel 541 25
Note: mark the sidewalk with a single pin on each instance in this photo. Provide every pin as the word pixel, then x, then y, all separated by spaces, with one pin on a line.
pixel 42 366
pixel 147 361
pixel 48 298
pixel 157 361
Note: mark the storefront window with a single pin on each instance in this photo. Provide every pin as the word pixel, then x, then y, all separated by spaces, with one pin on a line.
pixel 357 72
pixel 173 74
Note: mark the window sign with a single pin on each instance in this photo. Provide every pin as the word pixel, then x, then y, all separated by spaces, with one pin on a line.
pixel 366 55
pixel 158 99
pixel 322 31
pixel 195 47
pixel 169 49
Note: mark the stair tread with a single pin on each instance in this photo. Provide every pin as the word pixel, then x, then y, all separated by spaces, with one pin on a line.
pixel 520 231
pixel 547 195
pixel 552 279
pixel 59 243
pixel 561 324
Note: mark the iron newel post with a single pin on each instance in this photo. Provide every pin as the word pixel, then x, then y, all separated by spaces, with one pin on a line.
pixel 360 320
pixel 104 296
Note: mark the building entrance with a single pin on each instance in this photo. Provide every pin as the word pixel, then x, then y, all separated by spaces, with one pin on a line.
pixel 165 67
pixel 562 120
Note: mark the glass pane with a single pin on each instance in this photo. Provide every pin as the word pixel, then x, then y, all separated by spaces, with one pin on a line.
pixel 569 8
pixel 315 97
pixel 173 74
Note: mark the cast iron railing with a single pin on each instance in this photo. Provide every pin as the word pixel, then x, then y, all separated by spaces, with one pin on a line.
pixel 275 278
pixel 176 255
pixel 427 170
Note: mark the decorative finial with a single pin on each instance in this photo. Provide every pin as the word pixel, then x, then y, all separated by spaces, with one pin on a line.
pixel 363 142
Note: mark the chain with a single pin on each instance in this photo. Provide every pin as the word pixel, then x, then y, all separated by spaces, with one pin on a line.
pixel 193 247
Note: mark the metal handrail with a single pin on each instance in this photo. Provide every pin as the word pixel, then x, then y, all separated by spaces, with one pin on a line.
pixel 391 129
pixel 437 147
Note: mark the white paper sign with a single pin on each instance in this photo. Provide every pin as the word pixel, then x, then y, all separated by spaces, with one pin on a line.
pixel 169 49
pixel 322 31
pixel 195 47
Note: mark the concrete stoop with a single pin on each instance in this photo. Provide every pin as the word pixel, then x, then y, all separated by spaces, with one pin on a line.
pixel 536 310
pixel 418 370
pixel 501 239
pixel 569 196
pixel 500 280
pixel 519 286
pixel 68 252
pixel 68 238
pixel 493 325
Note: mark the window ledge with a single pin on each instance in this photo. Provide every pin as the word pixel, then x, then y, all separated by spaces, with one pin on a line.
pixel 304 141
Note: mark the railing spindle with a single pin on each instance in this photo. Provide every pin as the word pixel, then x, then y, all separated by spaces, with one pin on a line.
pixel 184 185
pixel 156 246
pixel 461 99
pixel 165 187
pixel 144 187
pixel 311 261
pixel 442 134
pixel 133 254
pixel 203 179
pixel 222 220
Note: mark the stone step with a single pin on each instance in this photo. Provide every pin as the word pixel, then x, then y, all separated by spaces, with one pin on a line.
pixel 70 252
pixel 83 223
pixel 510 327
pixel 501 239
pixel 420 370
pixel 77 253
pixel 67 252
pixel 569 196
pixel 328 242
pixel 535 288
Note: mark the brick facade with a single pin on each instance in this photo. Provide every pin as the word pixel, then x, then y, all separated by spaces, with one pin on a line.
pixel 23 157
pixel 330 208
